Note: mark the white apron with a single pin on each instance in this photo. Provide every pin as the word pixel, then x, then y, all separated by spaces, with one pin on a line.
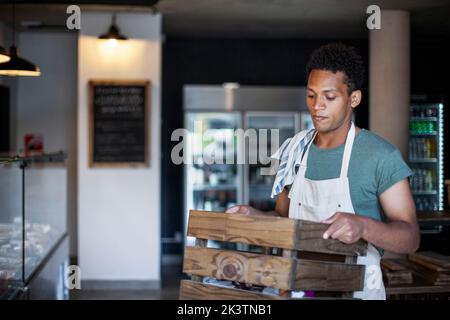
pixel 319 200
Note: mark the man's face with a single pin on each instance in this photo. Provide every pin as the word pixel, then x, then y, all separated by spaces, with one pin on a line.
pixel 328 100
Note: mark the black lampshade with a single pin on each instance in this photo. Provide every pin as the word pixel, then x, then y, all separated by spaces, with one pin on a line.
pixel 113 32
pixel 3 55
pixel 18 66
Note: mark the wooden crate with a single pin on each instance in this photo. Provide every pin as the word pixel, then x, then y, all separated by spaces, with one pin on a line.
pixel 395 272
pixel 432 266
pixel 303 260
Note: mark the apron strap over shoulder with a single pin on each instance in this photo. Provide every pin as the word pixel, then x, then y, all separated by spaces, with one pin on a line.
pixel 345 159
pixel 347 151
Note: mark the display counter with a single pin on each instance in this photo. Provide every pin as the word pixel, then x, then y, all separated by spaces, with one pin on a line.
pixel 33 218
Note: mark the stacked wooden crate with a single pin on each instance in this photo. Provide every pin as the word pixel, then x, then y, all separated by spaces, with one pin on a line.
pixel 432 266
pixel 294 257
pixel 396 272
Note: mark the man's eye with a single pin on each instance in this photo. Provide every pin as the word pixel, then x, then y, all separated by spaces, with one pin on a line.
pixel 310 97
pixel 331 98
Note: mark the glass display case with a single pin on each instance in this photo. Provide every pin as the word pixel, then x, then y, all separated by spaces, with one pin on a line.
pixel 33 216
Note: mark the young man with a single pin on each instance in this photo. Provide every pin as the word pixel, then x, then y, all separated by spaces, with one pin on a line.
pixel 348 177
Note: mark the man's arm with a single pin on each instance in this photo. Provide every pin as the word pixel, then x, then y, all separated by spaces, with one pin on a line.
pixel 281 207
pixel 400 234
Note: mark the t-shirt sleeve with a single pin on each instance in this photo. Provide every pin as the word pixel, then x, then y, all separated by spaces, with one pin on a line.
pixel 391 170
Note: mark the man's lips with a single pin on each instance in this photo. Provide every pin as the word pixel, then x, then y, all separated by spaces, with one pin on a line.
pixel 319 118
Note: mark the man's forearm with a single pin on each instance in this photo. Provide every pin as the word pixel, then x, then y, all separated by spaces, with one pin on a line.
pixel 397 236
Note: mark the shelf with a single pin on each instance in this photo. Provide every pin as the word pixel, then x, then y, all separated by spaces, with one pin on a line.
pixel 434 133
pixel 45 157
pixel 433 160
pixel 424 193
pixel 260 186
pixel 205 187
pixel 424 119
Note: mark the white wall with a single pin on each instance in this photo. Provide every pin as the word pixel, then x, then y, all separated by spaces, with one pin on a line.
pixel 119 209
pixel 47 104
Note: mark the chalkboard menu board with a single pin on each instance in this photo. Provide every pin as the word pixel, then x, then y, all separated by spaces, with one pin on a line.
pixel 118 123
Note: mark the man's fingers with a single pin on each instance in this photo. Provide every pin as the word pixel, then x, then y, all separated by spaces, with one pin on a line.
pixel 331 219
pixel 233 209
pixel 331 229
pixel 242 209
pixel 339 233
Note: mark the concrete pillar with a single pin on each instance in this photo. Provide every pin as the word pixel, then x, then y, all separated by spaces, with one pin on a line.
pixel 389 78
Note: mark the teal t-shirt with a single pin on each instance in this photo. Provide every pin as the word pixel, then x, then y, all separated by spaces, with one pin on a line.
pixel 375 165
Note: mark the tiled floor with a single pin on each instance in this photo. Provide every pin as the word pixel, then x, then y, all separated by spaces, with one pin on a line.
pixel 171 276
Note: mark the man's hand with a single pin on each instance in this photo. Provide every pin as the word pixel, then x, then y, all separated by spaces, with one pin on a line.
pixel 345 227
pixel 244 209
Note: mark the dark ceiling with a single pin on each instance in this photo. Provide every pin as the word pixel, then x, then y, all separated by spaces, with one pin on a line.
pixel 249 18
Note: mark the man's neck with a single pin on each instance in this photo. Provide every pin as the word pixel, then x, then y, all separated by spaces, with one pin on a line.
pixel 333 139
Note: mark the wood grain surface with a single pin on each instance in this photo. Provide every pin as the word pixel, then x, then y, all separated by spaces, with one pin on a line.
pixel 268 231
pixel 287 273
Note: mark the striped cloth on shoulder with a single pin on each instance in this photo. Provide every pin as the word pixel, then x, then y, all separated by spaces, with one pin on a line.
pixel 289 155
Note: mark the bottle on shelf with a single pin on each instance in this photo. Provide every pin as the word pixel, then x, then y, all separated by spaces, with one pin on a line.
pixel 411 149
pixel 422 126
pixel 427 149
pixel 433 148
pixel 207 205
pixel 435 206
pixel 419 204
pixel 422 180
pixel 428 181
pixel 424 204
pixel 422 148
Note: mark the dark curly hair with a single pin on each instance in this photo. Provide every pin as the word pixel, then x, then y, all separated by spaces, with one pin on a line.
pixel 336 57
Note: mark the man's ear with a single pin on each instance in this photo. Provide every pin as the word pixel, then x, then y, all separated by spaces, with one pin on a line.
pixel 355 98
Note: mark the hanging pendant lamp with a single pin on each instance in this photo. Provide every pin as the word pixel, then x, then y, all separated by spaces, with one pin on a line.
pixel 113 32
pixel 18 66
pixel 3 55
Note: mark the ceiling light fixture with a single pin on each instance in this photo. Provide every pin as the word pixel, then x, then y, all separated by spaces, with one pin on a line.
pixel 113 32
pixel 17 66
pixel 3 55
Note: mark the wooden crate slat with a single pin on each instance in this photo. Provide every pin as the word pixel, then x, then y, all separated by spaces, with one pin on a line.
pixel 257 269
pixel 262 231
pixel 431 276
pixel 431 260
pixel 207 225
pixel 310 238
pixel 191 290
pixel 392 265
pixel 268 232
pixel 329 276
pixel 398 277
pixel 272 271
pixel 199 243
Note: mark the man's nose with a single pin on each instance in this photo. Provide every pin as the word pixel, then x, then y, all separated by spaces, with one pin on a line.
pixel 319 104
